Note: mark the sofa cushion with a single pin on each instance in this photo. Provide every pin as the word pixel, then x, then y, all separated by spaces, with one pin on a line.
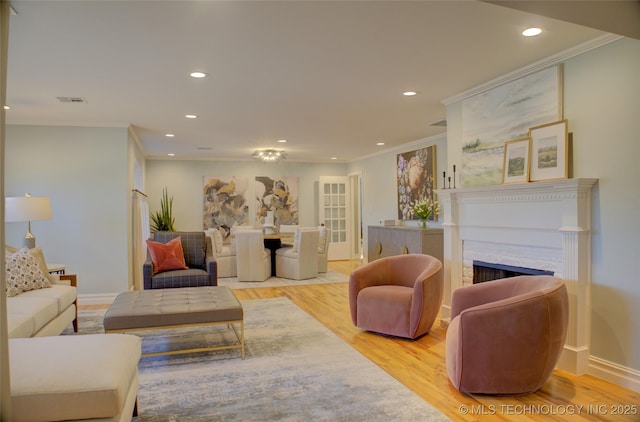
pixel 63 295
pixel 68 384
pixel 20 325
pixel 166 256
pixel 24 273
pixel 40 310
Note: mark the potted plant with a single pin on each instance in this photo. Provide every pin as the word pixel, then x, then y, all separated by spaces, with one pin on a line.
pixel 163 219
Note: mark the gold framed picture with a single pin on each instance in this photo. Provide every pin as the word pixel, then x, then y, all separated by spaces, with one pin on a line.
pixel 516 161
pixel 549 151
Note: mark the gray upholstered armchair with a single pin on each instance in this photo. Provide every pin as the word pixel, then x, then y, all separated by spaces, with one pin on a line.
pixel 202 267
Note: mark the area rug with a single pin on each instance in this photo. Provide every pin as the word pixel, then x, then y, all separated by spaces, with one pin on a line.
pixel 295 370
pixel 323 278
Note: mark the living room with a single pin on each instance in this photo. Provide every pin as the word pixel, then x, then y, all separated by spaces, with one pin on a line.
pixel 89 174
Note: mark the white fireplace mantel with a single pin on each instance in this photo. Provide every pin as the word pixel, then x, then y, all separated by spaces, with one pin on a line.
pixel 548 223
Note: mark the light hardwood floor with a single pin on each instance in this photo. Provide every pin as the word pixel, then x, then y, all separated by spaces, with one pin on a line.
pixel 420 365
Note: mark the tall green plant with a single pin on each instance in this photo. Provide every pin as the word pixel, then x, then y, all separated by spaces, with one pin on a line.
pixel 163 220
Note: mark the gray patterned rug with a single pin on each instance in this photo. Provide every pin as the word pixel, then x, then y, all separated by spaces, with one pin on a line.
pixel 323 278
pixel 295 370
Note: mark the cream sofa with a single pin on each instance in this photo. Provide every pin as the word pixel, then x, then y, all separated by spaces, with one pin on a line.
pixel 44 312
pixel 33 308
pixel 84 377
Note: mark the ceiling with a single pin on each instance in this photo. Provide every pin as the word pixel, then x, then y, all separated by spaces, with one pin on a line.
pixel 327 76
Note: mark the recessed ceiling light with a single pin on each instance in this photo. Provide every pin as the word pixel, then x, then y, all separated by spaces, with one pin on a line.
pixel 409 93
pixel 531 32
pixel 282 141
pixel 190 116
pixel 169 135
pixel 7 108
pixel 380 144
pixel 171 154
pixel 334 158
pixel 198 75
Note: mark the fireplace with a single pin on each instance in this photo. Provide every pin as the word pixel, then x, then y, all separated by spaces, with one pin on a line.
pixel 541 225
pixel 487 271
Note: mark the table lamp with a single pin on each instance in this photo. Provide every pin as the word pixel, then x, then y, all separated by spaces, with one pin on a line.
pixel 27 208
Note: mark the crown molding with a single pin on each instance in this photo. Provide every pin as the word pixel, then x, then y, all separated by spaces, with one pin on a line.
pixel 534 67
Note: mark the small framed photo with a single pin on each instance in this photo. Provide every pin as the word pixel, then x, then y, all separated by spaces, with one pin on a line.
pixel 516 161
pixel 549 151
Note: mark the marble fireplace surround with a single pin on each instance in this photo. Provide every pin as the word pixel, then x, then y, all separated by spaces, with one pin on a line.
pixel 544 225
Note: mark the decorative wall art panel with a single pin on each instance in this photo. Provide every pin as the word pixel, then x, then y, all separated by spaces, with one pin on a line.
pixel 279 195
pixel 416 173
pixel 502 114
pixel 225 201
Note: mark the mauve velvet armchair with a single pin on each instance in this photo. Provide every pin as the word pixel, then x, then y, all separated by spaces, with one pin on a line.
pixel 397 295
pixel 506 336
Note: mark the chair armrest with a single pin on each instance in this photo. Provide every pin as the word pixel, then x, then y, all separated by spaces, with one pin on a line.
pixel 71 278
pixel 428 292
pixel 375 273
pixel 212 269
pixel 478 294
pixel 147 272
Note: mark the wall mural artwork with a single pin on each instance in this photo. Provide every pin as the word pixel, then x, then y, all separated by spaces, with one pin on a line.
pixel 416 172
pixel 279 195
pixel 502 114
pixel 225 203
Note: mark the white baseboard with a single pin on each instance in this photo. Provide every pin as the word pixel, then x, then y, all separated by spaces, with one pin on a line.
pixel 96 299
pixel 617 374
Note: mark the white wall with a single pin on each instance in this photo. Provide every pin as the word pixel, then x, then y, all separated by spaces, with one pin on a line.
pixel 84 171
pixel 602 105
pixel 184 182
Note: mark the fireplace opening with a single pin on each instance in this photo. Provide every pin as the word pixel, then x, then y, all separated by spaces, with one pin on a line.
pixel 487 271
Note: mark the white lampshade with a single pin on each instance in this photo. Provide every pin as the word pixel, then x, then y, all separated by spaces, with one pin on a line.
pixel 27 208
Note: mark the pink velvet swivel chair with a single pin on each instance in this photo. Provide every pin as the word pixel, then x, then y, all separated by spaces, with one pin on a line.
pixel 397 295
pixel 506 336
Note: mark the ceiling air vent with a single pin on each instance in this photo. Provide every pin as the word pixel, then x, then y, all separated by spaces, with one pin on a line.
pixel 441 122
pixel 71 100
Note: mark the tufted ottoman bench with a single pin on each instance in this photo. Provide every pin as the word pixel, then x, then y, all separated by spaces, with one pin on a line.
pixel 176 308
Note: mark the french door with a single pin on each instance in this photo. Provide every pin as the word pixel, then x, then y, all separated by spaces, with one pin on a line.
pixel 334 213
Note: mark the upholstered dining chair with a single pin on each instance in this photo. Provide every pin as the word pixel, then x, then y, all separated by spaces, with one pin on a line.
pixel 506 336
pixel 253 260
pixel 300 261
pixel 200 265
pixel 288 228
pixel 224 254
pixel 324 239
pixel 397 295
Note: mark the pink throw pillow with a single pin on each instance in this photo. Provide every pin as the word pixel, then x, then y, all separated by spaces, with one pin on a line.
pixel 166 256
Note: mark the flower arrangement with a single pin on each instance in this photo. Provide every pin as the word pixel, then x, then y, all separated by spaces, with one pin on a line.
pixel 425 210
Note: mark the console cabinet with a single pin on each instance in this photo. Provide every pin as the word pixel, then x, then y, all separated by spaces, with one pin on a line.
pixel 394 240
